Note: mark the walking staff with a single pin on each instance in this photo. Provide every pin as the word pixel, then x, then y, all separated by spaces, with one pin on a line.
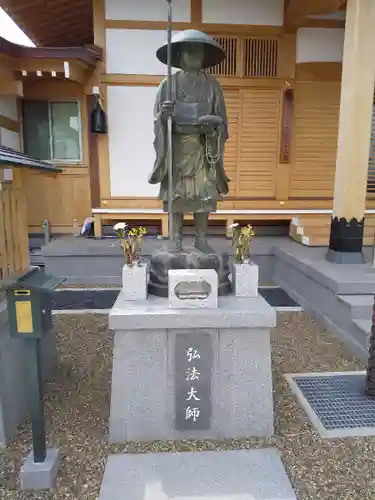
pixel 169 123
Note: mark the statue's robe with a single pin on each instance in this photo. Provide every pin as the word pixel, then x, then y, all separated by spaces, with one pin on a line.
pixel 197 184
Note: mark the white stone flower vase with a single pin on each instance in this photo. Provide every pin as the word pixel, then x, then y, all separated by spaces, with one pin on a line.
pixel 245 279
pixel 134 282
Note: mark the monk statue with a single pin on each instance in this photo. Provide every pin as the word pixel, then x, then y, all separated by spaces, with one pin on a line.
pixel 199 133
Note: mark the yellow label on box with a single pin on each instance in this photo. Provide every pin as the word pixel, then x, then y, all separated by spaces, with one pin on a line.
pixel 24 317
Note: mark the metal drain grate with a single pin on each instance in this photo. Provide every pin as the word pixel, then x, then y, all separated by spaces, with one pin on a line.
pixel 336 403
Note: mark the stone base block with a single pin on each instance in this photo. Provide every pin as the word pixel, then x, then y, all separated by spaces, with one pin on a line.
pixel 191 373
pixel 40 476
pixel 245 278
pixel 345 257
pixel 192 288
pixel 134 282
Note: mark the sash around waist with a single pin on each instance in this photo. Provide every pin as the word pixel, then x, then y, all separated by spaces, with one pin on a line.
pixel 187 129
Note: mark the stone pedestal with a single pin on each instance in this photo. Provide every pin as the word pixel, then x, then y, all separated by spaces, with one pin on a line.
pixel 191 373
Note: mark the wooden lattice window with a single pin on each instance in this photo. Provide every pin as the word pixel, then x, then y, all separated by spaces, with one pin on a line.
pixel 229 66
pixel 260 56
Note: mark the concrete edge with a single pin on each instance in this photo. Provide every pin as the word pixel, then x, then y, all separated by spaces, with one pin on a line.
pixel 313 417
pixel 289 309
pixel 88 289
pixel 80 312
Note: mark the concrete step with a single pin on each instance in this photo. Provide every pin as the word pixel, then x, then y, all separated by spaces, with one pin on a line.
pixel 315 241
pixel 311 221
pixel 360 305
pixel 364 325
pixel 325 231
pixel 323 241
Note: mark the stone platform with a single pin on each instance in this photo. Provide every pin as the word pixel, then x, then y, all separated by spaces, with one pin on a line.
pixel 223 475
pixel 191 373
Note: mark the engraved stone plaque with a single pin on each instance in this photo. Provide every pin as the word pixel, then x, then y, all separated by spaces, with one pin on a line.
pixel 193 374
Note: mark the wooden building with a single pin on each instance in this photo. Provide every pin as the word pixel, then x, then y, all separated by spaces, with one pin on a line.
pixel 283 81
pixel 44 112
pixel 14 241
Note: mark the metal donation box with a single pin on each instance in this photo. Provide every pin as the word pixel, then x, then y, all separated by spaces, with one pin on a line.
pixel 29 300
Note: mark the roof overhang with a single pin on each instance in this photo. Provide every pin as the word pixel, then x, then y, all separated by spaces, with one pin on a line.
pixel 10 158
pixel 52 23
pixel 297 12
pixel 18 63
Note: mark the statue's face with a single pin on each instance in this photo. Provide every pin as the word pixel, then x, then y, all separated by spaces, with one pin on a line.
pixel 192 56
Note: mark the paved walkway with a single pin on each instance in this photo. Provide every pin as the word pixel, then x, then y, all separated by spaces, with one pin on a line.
pixel 221 475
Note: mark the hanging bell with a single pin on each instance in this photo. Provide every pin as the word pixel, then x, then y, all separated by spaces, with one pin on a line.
pixel 98 119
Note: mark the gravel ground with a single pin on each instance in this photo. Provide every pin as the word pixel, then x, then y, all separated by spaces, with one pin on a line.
pixel 77 412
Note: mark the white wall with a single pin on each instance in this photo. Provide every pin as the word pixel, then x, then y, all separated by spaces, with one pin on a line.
pixel 320 45
pixel 133 52
pixel 8 107
pixel 147 10
pixel 259 12
pixel 9 139
pixel 131 136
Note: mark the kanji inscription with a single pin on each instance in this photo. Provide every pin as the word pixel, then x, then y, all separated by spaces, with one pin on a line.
pixel 193 372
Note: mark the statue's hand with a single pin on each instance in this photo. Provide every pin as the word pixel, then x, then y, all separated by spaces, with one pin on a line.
pixel 167 109
pixel 213 121
pixel 209 123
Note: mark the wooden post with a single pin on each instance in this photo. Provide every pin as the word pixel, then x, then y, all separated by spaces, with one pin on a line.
pixel 20 217
pixel 98 226
pixel 165 226
pixel 357 89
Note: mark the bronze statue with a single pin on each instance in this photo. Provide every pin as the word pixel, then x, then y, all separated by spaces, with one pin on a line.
pixel 199 132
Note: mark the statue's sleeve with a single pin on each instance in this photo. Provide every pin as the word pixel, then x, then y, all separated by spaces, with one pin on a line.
pixel 220 108
pixel 160 142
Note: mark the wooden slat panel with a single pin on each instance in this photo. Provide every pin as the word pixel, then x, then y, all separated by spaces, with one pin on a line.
pixel 371 167
pixel 3 247
pixel 12 232
pixel 232 100
pixel 228 67
pixel 258 147
pixel 316 107
pixel 60 200
pixel 260 56
pixel 254 56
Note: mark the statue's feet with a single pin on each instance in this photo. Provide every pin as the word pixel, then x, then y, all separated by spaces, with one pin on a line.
pixel 202 245
pixel 175 246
